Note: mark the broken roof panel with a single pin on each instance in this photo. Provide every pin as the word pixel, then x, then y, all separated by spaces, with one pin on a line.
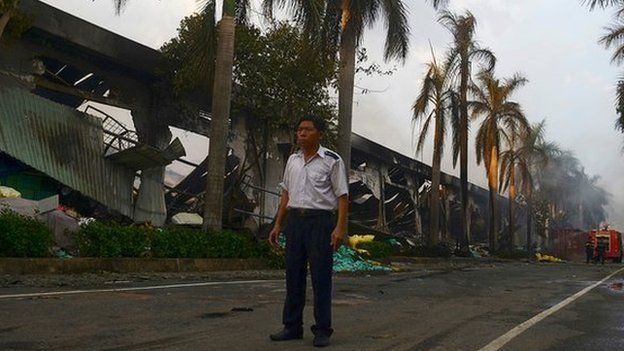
pixel 112 48
pixel 65 144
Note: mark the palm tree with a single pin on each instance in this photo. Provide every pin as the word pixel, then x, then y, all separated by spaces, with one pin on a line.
pixel 221 96
pixel 512 164
pixel 535 152
pixel 492 101
pixel 463 53
pixel 341 23
pixel 614 39
pixel 436 101
pixel 526 152
pixel 7 10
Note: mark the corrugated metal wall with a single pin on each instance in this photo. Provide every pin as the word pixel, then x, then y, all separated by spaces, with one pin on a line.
pixel 65 144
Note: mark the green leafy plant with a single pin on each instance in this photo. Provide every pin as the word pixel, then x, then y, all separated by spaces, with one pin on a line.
pixel 99 239
pixel 22 236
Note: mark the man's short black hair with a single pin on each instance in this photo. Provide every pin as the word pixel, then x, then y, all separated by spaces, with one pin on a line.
pixel 318 122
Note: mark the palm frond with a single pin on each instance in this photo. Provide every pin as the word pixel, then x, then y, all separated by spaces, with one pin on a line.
pixel 119 5
pixel 438 4
pixel 615 37
pixel 397 29
pixel 485 56
pixel 593 4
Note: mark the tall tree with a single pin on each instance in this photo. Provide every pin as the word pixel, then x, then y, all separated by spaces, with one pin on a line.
pixel 464 52
pixel 340 24
pixel 221 97
pixel 512 164
pixel 534 154
pixel 501 115
pixel 525 152
pixel 232 10
pixel 436 101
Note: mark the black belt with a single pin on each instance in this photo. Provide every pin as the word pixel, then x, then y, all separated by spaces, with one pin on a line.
pixel 309 212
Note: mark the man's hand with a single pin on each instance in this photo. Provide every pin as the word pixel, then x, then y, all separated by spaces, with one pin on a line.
pixel 273 236
pixel 337 238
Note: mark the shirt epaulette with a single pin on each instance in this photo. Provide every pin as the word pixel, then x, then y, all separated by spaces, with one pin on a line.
pixel 332 155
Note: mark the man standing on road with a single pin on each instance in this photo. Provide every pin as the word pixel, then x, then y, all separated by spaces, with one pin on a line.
pixel 589 250
pixel 315 187
pixel 601 248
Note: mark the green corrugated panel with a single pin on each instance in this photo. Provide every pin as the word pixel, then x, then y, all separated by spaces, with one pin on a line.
pixel 63 143
pixel 32 186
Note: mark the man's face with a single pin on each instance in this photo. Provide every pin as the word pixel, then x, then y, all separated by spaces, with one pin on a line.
pixel 307 134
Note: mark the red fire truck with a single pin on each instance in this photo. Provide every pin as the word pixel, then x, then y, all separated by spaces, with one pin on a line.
pixel 611 239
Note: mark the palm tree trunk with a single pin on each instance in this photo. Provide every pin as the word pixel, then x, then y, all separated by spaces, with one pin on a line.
pixel 4 19
pixel 434 194
pixel 529 224
pixel 463 152
pixel 345 94
pixel 512 201
pixel 492 174
pixel 222 92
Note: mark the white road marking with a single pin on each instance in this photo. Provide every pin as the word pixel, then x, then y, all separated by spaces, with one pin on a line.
pixel 155 287
pixel 507 337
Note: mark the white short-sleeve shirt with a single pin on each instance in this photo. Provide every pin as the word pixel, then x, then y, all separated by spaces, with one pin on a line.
pixel 316 184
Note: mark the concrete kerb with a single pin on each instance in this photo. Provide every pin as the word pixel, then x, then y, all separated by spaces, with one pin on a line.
pixel 20 266
pixel 43 266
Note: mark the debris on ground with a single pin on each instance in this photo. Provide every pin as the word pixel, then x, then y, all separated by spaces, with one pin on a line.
pixel 547 258
pixel 61 253
pixel 479 251
pixel 184 218
pixel 354 240
pixel 346 259
pixel 10 193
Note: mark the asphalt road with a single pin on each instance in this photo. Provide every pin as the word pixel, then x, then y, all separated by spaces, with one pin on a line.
pixel 463 309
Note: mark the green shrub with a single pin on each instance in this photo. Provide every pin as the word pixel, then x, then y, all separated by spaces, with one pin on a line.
pixel 377 249
pixel 21 236
pixel 192 243
pixel 179 243
pixel 275 258
pixel 99 239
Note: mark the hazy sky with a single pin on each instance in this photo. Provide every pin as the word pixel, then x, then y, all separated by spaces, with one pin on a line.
pixel 552 42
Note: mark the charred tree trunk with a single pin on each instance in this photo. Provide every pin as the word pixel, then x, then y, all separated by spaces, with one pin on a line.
pixel 512 201
pixel 434 194
pixel 463 152
pixel 345 94
pixel 529 238
pixel 493 185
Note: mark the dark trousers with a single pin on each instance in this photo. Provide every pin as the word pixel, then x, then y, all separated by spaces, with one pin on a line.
pixel 589 255
pixel 308 239
pixel 601 256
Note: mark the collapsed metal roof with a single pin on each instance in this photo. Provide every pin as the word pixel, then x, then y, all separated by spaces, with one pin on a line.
pixel 65 144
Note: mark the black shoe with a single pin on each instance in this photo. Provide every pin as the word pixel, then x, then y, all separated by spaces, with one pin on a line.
pixel 287 334
pixel 321 340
